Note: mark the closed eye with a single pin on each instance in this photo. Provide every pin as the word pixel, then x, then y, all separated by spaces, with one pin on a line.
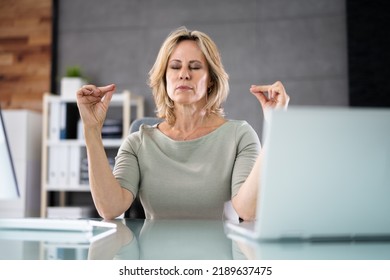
pixel 195 65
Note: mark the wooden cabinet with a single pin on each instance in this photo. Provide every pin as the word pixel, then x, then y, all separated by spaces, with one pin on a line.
pixel 64 157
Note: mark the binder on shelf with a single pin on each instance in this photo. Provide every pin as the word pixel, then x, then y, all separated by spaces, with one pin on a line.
pixel 53 172
pixel 111 162
pixel 84 177
pixel 54 121
pixel 80 130
pixel 112 129
pixel 65 170
pixel 74 166
pixel 63 132
pixel 63 163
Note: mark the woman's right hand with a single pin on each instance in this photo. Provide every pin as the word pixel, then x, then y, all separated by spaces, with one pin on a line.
pixel 93 104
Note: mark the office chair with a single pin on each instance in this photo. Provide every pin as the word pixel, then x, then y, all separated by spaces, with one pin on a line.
pixel 136 211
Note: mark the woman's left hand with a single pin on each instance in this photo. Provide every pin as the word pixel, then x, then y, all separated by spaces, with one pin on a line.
pixel 271 96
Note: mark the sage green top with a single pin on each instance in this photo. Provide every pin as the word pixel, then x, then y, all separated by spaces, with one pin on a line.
pixel 187 179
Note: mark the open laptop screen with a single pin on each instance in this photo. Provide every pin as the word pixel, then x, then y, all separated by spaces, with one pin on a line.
pixel 8 183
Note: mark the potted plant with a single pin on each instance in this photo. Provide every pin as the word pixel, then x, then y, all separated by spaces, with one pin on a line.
pixel 71 82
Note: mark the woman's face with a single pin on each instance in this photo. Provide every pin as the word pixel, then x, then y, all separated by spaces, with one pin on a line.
pixel 187 74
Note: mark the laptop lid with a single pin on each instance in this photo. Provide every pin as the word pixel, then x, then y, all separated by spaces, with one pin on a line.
pixel 8 183
pixel 326 173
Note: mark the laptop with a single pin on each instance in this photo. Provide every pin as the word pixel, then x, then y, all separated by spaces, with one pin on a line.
pixel 9 190
pixel 325 176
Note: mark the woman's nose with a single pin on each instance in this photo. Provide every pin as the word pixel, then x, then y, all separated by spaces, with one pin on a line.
pixel 184 75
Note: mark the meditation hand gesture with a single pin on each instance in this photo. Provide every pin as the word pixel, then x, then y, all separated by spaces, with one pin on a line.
pixel 93 104
pixel 271 96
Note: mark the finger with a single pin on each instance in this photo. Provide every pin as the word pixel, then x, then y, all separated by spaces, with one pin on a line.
pixel 268 91
pixel 272 93
pixel 100 92
pixel 261 97
pixel 107 88
pixel 107 98
pixel 86 90
pixel 279 95
pixel 276 91
pixel 278 88
pixel 277 84
pixel 260 88
pixel 109 91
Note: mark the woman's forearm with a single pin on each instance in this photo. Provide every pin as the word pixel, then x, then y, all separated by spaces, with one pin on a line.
pixel 245 202
pixel 110 199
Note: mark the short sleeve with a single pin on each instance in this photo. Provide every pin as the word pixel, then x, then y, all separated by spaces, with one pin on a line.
pixel 126 169
pixel 248 149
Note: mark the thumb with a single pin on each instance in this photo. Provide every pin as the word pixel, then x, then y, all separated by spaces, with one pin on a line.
pixel 108 92
pixel 107 98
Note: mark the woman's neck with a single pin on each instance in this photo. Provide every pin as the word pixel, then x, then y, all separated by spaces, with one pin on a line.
pixel 191 124
pixel 189 118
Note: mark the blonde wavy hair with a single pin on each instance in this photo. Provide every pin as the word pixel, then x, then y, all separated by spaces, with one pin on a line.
pixel 219 89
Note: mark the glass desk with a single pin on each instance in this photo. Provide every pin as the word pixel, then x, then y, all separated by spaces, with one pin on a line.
pixel 181 240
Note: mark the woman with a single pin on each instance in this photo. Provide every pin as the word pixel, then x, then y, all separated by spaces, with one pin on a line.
pixel 188 165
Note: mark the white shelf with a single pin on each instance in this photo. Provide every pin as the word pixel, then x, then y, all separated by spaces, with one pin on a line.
pixel 117 98
pixel 108 143
pixel 73 188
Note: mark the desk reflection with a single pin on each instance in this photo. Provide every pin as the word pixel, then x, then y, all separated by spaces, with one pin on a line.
pixel 179 240
pixel 133 240
pixel 164 240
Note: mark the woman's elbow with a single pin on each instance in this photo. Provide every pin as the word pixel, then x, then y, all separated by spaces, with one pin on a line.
pixel 244 212
pixel 247 215
pixel 109 214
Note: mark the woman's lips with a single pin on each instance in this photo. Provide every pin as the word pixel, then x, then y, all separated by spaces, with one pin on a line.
pixel 183 88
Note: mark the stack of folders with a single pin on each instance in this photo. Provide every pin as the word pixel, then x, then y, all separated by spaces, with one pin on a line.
pixel 112 129
pixel 64 160
pixel 64 166
pixel 84 179
pixel 57 121
pixel 68 164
